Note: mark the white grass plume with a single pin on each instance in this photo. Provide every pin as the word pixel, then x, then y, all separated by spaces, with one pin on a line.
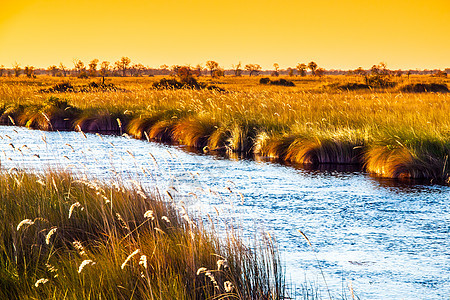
pixel 129 257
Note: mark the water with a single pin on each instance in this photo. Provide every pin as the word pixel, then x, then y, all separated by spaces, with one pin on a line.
pixel 386 241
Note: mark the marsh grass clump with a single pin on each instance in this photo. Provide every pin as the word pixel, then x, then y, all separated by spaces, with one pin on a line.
pixel 54 114
pixel 314 151
pixel 101 120
pixel 409 158
pixel 194 132
pixel 71 238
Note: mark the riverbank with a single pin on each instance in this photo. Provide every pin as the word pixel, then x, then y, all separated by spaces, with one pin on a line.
pixel 66 237
pixel 388 132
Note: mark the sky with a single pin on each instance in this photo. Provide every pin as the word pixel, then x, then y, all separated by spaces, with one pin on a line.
pixel 344 34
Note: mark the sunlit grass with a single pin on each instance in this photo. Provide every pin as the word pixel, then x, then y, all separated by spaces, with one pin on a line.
pixel 68 238
pixel 312 122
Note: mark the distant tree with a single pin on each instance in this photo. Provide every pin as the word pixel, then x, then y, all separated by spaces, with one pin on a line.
pixel 122 65
pixel 408 73
pixel 254 69
pixel 440 73
pixel 301 69
pixel 237 69
pixel 53 70
pixel 164 67
pixel 360 71
pixel 320 72
pixel 399 73
pixel 78 66
pixel 380 69
pixel 63 68
pixel 212 66
pixel 290 72
pixel 137 69
pixel 104 68
pixel 17 69
pixel 219 72
pixel 198 70
pixel 275 72
pixel 29 71
pixel 174 70
pixel 93 67
pixel 2 70
pixel 312 66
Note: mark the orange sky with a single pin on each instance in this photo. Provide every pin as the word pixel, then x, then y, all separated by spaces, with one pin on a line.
pixel 342 34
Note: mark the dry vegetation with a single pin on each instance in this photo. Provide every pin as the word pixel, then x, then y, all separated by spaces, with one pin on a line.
pixel 68 238
pixel 397 131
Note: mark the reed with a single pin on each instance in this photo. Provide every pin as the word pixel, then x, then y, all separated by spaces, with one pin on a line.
pixel 310 123
pixel 194 132
pixel 64 237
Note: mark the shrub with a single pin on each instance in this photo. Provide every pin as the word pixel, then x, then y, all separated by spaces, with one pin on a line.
pixel 264 80
pixel 351 86
pixel 282 82
pixel 379 81
pixel 425 87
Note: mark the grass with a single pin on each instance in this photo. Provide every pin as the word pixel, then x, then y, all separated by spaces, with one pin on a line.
pixel 68 238
pixel 314 122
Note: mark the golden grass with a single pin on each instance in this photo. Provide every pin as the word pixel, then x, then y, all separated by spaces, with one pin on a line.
pixel 64 237
pixel 329 125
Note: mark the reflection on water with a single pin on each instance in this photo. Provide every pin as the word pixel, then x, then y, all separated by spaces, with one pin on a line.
pixel 389 240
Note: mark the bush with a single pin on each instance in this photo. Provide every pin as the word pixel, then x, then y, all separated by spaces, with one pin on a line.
pixel 424 88
pixel 379 81
pixel 62 87
pixel 264 80
pixel 167 84
pixel 351 86
pixel 282 82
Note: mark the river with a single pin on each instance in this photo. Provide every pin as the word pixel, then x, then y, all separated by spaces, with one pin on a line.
pixel 385 240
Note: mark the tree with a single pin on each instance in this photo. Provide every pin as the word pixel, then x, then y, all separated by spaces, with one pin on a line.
pixel 290 72
pixel 137 69
pixel 63 68
pixel 198 70
pixel 2 70
pixel 78 66
pixel 254 69
pixel 212 66
pixel 237 69
pixel 275 72
pixel 29 71
pixel 104 68
pixel 312 66
pixel 320 72
pixel 122 65
pixel 360 71
pixel 53 70
pixel 301 69
pixel 17 69
pixel 93 67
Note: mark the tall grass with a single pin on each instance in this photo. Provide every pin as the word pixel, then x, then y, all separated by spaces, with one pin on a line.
pixel 310 123
pixel 67 238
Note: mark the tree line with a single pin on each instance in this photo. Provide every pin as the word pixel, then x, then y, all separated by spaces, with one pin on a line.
pixel 124 67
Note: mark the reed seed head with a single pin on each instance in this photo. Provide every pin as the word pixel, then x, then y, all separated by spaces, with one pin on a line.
pixel 49 235
pixel 25 222
pixel 40 281
pixel 129 257
pixel 84 263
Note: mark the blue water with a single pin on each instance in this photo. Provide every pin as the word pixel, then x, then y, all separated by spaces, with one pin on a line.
pixel 383 240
